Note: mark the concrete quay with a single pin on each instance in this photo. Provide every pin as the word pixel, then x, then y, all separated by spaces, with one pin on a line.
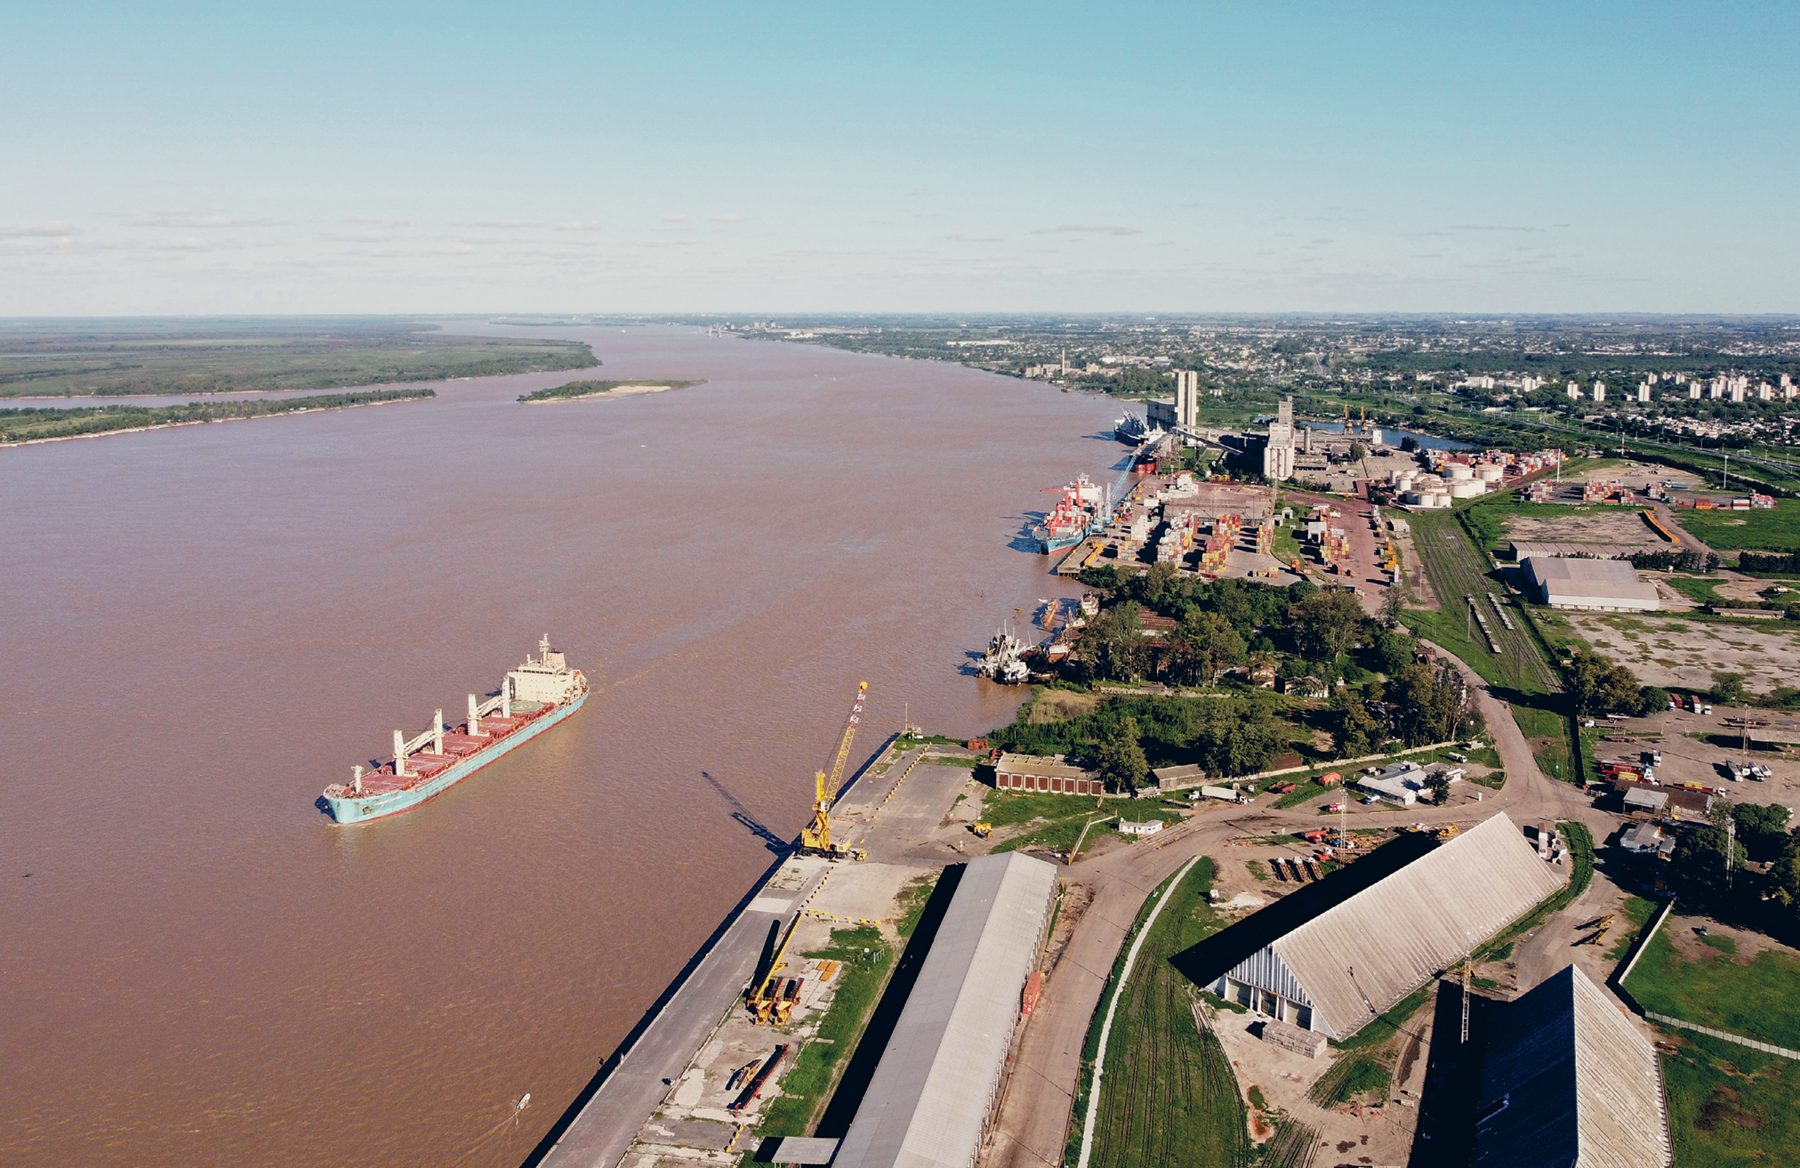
pixel 891 809
pixel 599 1126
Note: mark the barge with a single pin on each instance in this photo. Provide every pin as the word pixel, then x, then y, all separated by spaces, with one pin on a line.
pixel 532 698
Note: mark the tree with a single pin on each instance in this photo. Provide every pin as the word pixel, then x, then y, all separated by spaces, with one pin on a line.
pixel 1325 624
pixel 1119 757
pixel 1354 731
pixel 1112 645
pixel 1438 783
pixel 1409 443
pixel 1393 651
pixel 1358 452
pixel 1701 871
pixel 1728 688
pixel 1762 828
pixel 1238 738
pixel 1596 684
pixel 1393 603
pixel 1204 645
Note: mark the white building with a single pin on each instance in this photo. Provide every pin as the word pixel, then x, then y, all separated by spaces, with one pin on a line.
pixel 1187 398
pixel 1603 585
pixel 1278 454
pixel 1599 391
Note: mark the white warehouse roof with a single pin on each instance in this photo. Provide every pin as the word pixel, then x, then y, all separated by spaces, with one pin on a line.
pixel 928 1100
pixel 1579 583
pixel 1359 957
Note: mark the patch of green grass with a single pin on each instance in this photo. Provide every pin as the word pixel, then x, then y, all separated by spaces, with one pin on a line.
pixel 1730 1106
pixel 1698 590
pixel 1258 869
pixel 1501 954
pixel 1777 529
pixel 1359 1075
pixel 1756 999
pixel 1388 1023
pixel 1003 808
pixel 917 896
pixel 1638 911
pixel 946 760
pixel 808 1084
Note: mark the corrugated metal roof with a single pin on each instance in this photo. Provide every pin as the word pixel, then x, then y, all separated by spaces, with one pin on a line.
pixel 1361 956
pixel 928 1100
pixel 1569 1082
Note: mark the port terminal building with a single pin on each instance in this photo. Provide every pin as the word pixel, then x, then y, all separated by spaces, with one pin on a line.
pixel 1038 772
pixel 1601 585
pixel 931 1099
pixel 1334 960
pixel 1570 1082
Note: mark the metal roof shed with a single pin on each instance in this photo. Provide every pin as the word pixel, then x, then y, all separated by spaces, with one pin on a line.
pixel 1339 970
pixel 1569 1082
pixel 928 1101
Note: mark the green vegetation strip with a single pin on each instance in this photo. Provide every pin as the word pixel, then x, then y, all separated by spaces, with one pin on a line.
pixel 1580 842
pixel 223 357
pixel 867 959
pixel 580 389
pixel 42 424
pixel 1776 529
pixel 1169 1095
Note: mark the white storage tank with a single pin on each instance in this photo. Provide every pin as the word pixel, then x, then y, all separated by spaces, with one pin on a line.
pixel 1459 470
pixel 1490 472
pixel 1467 488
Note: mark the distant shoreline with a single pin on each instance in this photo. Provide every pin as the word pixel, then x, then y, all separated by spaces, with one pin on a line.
pixel 209 422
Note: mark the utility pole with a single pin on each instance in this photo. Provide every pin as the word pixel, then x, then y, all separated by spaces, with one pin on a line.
pixel 1730 847
pixel 1727 455
pixel 1465 1004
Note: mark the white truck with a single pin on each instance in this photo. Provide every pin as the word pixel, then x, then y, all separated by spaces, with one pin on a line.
pixel 1226 794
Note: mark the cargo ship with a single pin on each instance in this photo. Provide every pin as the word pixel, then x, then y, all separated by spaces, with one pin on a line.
pixel 1080 512
pixel 1134 431
pixel 532 698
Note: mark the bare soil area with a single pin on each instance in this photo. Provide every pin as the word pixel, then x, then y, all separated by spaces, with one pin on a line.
pixel 1611 525
pixel 1678 654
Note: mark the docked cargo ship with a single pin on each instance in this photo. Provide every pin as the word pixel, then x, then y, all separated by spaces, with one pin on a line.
pixel 1080 512
pixel 532 698
pixel 1134 431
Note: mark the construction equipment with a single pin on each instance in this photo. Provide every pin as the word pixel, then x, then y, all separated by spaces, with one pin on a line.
pixel 784 1006
pixel 815 840
pixel 982 830
pixel 763 994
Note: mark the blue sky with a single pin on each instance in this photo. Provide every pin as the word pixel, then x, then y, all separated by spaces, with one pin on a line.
pixel 205 157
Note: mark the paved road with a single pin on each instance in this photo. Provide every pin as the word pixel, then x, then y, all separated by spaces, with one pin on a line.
pixel 1034 1118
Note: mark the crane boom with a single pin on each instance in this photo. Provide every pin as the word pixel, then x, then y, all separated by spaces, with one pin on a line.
pixel 817 836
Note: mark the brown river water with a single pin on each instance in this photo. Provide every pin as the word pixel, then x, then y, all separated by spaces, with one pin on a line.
pixel 205 625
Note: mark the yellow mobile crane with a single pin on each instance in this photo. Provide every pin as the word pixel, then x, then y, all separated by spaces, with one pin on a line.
pixel 815 839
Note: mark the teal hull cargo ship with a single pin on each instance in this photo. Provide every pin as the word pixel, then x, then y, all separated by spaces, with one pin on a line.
pixel 532 698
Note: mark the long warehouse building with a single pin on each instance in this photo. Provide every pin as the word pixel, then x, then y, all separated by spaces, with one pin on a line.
pixel 929 1101
pixel 1570 1082
pixel 1338 971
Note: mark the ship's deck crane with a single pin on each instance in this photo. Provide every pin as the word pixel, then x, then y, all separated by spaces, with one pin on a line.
pixel 815 839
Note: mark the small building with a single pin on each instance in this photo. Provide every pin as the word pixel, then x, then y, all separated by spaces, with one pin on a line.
pixel 1601 585
pixel 1570 1082
pixel 1147 827
pixel 1646 839
pixel 1307 687
pixel 1179 778
pixel 1680 802
pixel 932 1093
pixel 1648 800
pixel 1389 788
pixel 1037 772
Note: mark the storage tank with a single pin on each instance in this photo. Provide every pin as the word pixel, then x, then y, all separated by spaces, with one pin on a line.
pixel 1467 488
pixel 1460 470
pixel 1437 499
pixel 1490 472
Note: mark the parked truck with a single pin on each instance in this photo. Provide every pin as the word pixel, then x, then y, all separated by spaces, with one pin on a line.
pixel 1226 794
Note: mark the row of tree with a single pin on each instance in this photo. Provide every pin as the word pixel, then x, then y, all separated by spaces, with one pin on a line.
pixel 1223 736
pixel 1708 873
pixel 1418 705
pixel 1672 560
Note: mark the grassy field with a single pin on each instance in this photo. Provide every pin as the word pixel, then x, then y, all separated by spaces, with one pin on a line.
pixel 1729 1105
pixel 1063 817
pixel 805 1088
pixel 1774 530
pixel 1169 1095
pixel 110 359
pixel 580 389
pixel 26 425
pixel 1756 999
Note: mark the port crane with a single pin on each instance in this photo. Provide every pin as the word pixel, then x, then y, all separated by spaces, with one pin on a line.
pixel 815 838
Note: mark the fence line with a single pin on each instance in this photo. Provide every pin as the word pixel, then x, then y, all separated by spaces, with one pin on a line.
pixel 1753 1044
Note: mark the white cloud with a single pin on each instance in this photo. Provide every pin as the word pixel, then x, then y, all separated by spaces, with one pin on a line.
pixel 376 221
pixel 728 217
pixel 508 223
pixel 208 218
pixel 578 225
pixel 48 229
pixel 1088 229
pixel 677 217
